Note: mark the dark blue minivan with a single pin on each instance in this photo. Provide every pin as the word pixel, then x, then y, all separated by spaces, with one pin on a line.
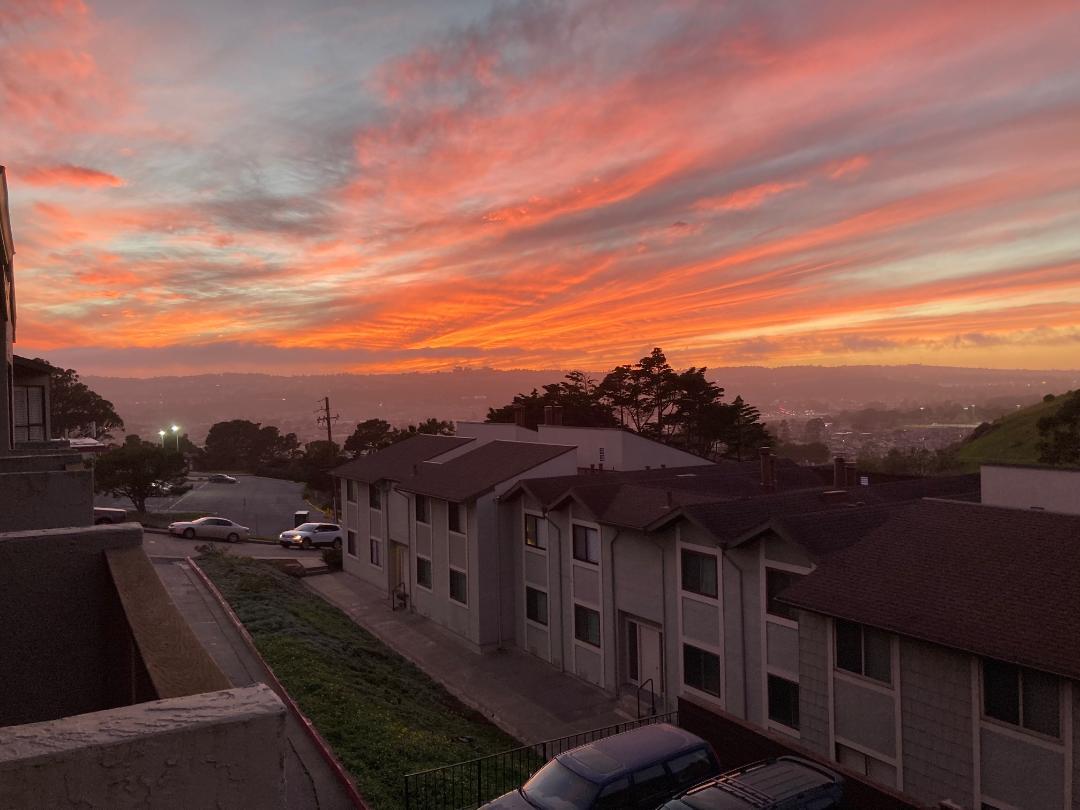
pixel 636 769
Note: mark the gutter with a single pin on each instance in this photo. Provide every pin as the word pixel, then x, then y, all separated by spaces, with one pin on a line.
pixel 562 595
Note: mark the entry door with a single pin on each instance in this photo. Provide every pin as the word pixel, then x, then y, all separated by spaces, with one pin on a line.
pixel 651 661
pixel 646 652
pixel 399 565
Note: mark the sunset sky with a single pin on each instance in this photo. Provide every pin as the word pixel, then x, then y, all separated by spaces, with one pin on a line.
pixel 394 184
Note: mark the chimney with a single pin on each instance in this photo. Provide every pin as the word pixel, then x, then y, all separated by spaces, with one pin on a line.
pixel 838 475
pixel 768 471
pixel 556 415
pixel 851 474
pixel 519 415
pixel 548 418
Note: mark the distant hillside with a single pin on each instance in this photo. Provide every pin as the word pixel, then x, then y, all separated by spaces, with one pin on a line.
pixel 1013 438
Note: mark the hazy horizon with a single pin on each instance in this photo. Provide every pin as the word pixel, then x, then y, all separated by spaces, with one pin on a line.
pixel 333 186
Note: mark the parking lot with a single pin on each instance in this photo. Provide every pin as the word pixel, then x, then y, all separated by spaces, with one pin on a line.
pixel 264 505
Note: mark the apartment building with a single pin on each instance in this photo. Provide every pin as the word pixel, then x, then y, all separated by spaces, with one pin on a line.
pixel 424 520
pixel 940 655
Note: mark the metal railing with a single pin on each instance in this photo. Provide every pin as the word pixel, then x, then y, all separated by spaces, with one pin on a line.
pixel 469 784
pixel 652 697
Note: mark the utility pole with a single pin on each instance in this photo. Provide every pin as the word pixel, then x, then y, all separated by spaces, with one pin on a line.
pixel 328 420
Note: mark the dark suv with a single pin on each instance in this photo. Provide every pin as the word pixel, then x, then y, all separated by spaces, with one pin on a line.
pixel 636 769
pixel 784 783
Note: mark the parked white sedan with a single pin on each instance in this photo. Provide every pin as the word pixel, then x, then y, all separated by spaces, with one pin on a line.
pixel 212 527
pixel 307 535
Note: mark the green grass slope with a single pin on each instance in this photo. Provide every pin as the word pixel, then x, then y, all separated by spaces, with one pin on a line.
pixel 1012 439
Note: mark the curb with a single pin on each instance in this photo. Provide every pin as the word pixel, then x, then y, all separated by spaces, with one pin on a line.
pixel 320 743
pixel 156 530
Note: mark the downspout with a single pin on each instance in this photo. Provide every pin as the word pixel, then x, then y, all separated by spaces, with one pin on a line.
pixel 562 589
pixel 498 556
pixel 742 637
pixel 664 616
pixel 614 611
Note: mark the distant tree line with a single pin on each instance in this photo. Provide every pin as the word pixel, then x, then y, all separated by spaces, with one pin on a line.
pixel 682 408
pixel 1059 433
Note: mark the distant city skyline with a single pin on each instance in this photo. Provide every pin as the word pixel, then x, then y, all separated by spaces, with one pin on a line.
pixel 317 187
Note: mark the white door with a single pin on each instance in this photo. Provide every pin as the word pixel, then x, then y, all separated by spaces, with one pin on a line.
pixel 651 657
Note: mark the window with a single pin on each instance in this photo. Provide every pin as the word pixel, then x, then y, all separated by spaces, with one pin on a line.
pixel 423 572
pixel 459 590
pixel 350 491
pixel 614 795
pixel 784 701
pixel 587 625
pixel 532 532
pixel 350 542
pixel 28 421
pixel 699 573
pixel 689 769
pixel 701 670
pixel 775 582
pixel 455 517
pixel 374 496
pixel 586 544
pixel 1022 697
pixel 376 552
pixel 864 651
pixel 422 509
pixel 876 769
pixel 652 786
pixel 536 608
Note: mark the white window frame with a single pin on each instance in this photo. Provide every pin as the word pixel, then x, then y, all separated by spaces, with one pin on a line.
pixel 547 601
pixel 449 591
pixel 355 538
pixel 1020 731
pixel 541 535
pixel 776 725
pixel 767 669
pixel 375 543
pixel 597 568
pixel 593 564
pixel 716 604
pixel 463 515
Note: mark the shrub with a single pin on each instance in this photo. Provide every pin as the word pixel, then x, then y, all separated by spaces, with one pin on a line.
pixel 332 558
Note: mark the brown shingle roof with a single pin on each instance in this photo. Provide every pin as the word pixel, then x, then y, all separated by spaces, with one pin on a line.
pixel 397 461
pixel 1002 583
pixel 472 474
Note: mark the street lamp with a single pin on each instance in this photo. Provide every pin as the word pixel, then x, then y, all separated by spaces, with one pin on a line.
pixel 161 433
pixel 176 433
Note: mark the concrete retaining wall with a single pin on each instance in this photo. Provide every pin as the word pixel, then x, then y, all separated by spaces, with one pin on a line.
pixel 219 749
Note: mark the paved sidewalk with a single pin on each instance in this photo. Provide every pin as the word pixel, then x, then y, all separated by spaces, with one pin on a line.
pixel 309 780
pixel 526 697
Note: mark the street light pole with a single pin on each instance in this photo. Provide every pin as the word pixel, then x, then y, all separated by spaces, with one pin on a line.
pixel 161 433
pixel 176 433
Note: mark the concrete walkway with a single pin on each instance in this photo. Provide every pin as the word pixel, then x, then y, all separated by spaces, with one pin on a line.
pixel 310 783
pixel 526 697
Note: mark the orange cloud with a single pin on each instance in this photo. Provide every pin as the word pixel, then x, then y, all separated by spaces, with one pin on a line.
pixel 68 175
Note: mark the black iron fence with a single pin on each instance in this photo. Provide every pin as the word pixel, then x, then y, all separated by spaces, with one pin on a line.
pixel 469 784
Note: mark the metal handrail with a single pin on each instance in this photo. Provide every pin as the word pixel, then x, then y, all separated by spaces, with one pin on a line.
pixel 652 695
pixel 398 596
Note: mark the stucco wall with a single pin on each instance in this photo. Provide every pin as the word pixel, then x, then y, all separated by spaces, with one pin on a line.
pixel 1031 488
pixel 66 648
pixel 936 720
pixel 218 749
pixel 46 500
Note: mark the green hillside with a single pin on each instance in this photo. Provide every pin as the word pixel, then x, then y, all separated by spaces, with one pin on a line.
pixel 1013 438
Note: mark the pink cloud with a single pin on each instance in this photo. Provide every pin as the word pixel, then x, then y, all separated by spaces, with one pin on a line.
pixel 66 174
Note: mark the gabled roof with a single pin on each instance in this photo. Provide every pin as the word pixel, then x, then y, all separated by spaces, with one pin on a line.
pixel 632 506
pixel 734 521
pixel 397 461
pixel 478 471
pixel 996 582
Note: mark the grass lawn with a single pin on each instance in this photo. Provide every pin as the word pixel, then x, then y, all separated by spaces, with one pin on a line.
pixel 382 716
pixel 1014 438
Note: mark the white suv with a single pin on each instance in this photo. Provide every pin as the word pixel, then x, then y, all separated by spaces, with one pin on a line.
pixel 309 535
